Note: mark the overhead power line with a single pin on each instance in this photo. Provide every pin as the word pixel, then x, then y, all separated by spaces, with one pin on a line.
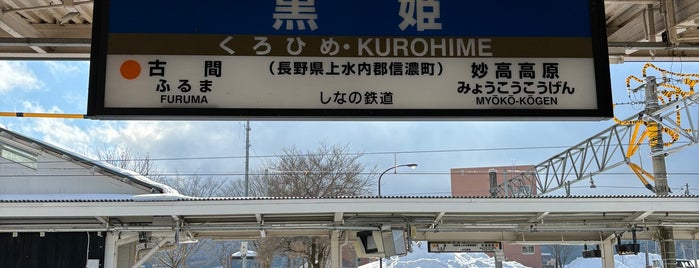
pixel 314 154
pixel 353 153
pixel 281 173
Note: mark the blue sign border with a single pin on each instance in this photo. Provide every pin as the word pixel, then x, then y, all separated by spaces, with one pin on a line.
pixel 102 28
pixel 501 18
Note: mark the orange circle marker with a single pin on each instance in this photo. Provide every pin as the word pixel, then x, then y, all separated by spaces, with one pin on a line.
pixel 130 69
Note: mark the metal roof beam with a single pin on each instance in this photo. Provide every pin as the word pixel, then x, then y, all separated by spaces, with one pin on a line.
pixel 338 217
pixel 638 216
pixel 539 216
pixel 437 219
pixel 18 28
pixel 653 45
pixel 67 4
pixel 47 56
pixel 52 42
pixel 261 221
pixel 635 2
pixel 103 220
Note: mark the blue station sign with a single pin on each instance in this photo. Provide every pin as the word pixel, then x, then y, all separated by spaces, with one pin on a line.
pixel 383 59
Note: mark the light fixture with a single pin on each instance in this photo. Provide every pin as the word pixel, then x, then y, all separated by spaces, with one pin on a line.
pixel 592 253
pixel 188 239
pixel 627 249
pixel 411 165
pixel 592 183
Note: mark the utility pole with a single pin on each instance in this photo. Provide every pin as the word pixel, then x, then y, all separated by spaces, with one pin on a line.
pixel 247 158
pixel 655 136
pixel 266 182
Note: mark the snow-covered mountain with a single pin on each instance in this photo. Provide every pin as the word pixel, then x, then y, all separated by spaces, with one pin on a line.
pixel 420 258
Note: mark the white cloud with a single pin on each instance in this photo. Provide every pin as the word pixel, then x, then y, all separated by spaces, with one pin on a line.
pixel 173 139
pixel 16 75
pixel 59 132
pixel 75 99
pixel 36 108
pixel 136 134
pixel 157 139
pixel 59 68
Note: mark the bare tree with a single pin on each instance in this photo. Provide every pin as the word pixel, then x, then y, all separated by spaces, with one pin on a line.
pixel 266 247
pixel 258 185
pixel 196 186
pixel 191 186
pixel 222 250
pixel 178 256
pixel 562 253
pixel 125 158
pixel 314 250
pixel 329 171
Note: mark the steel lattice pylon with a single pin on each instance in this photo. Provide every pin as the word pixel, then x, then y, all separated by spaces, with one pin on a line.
pixel 606 150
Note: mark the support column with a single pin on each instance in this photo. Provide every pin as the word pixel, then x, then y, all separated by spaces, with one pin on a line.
pixel 608 252
pixel 667 247
pixel 499 256
pixel 110 250
pixel 244 253
pixel 335 255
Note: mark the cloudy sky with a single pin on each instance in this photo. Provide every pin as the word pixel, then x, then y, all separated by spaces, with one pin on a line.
pixel 218 147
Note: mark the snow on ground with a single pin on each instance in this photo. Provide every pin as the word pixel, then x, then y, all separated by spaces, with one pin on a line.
pixel 420 258
pixel 626 261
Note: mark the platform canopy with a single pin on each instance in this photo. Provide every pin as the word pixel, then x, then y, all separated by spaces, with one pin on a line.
pixel 524 220
pixel 636 29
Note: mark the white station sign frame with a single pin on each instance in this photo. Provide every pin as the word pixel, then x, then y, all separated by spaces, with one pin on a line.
pixel 463 246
